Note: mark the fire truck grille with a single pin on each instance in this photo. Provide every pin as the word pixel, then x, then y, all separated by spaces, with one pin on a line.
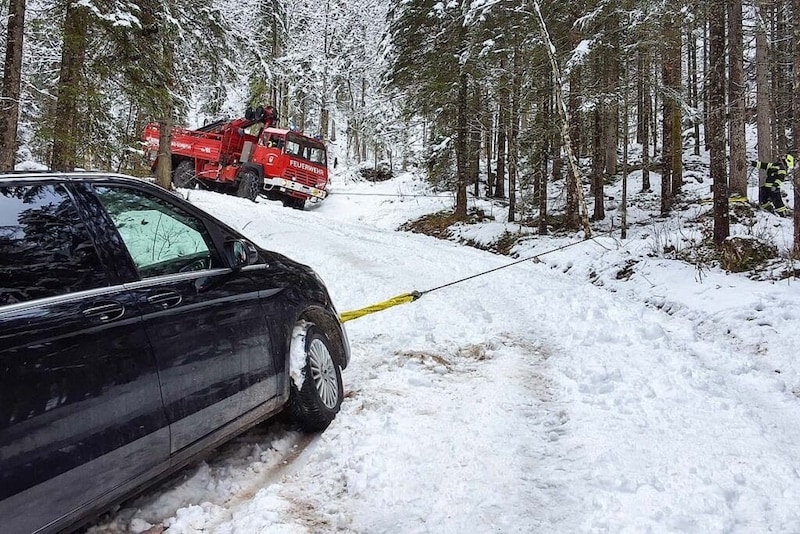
pixel 302 177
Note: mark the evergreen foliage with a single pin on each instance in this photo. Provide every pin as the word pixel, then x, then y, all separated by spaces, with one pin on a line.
pixel 471 80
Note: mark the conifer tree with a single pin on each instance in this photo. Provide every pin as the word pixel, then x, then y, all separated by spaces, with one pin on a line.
pixel 12 77
pixel 736 100
pixel 431 60
pixel 716 119
pixel 70 88
pixel 796 119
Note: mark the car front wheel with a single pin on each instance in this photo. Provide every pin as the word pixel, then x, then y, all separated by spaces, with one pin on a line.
pixel 315 403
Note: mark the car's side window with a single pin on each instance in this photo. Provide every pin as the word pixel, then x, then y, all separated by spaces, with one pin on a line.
pixel 45 249
pixel 161 238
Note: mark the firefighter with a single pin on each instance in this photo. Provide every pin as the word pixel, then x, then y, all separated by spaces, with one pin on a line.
pixel 769 194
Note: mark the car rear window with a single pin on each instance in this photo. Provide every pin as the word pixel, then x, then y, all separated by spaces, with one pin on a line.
pixel 45 249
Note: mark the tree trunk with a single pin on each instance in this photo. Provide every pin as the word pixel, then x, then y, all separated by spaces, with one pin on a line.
pixel 543 151
pixel 475 140
pixel 65 122
pixel 167 111
pixel 575 176
pixel 645 121
pixel 781 107
pixel 668 68
pixel 284 102
pixel 716 120
pixel 597 168
pixel 796 119
pixel 677 148
pixel 653 115
pixel 576 131
pixel 676 89
pixel 324 112
pixel 12 76
pixel 624 201
pixel 513 132
pixel 738 159
pixel 488 129
pixel 302 99
pixel 705 84
pixel 164 160
pixel 693 92
pixel 542 200
pixel 461 148
pixel 611 107
pixel 502 120
pixel 275 53
pixel 640 124
pixel 763 112
pixel 354 127
pixel 324 123
pixel 576 135
pixel 573 100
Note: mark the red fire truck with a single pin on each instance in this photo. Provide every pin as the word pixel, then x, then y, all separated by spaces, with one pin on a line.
pixel 247 156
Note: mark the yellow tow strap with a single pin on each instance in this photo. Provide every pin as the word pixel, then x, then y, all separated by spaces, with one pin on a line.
pixel 394 301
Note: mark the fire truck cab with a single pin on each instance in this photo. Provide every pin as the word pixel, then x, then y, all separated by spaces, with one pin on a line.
pixel 294 165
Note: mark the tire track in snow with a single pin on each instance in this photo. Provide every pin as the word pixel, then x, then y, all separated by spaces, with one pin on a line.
pixel 238 471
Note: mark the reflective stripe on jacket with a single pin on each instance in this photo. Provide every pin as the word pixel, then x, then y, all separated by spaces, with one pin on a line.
pixel 776 173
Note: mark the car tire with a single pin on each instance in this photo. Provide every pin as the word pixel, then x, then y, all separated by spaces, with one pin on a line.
pixel 183 175
pixel 314 405
pixel 249 185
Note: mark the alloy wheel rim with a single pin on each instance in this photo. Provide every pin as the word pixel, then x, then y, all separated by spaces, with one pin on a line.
pixel 323 372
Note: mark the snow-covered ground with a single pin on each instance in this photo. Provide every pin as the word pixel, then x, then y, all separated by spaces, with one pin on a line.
pixel 565 395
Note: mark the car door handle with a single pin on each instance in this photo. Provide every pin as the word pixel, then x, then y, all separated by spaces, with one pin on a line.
pixel 107 311
pixel 165 299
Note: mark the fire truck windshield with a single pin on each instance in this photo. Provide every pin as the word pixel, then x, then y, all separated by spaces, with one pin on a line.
pixel 307 149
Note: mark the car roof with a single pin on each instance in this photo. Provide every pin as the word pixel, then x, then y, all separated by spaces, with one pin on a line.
pixel 8 176
pixel 89 176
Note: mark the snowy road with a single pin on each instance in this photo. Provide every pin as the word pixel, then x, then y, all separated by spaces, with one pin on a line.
pixel 527 400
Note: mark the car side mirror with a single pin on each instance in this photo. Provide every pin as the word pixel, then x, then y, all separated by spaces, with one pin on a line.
pixel 241 253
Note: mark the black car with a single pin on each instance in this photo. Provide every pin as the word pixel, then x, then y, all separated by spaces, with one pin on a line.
pixel 137 331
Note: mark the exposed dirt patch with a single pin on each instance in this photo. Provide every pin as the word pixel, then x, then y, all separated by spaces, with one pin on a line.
pixel 376 175
pixel 746 254
pixel 438 224
pixel 477 352
pixel 426 358
pixel 627 270
pixel 506 242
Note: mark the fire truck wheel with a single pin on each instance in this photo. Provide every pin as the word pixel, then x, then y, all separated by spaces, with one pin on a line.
pixel 184 174
pixel 248 185
pixel 295 203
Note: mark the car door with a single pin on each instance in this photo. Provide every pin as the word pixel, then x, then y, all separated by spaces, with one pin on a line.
pixel 203 318
pixel 80 405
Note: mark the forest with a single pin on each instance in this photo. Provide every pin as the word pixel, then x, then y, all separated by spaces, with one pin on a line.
pixel 495 98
